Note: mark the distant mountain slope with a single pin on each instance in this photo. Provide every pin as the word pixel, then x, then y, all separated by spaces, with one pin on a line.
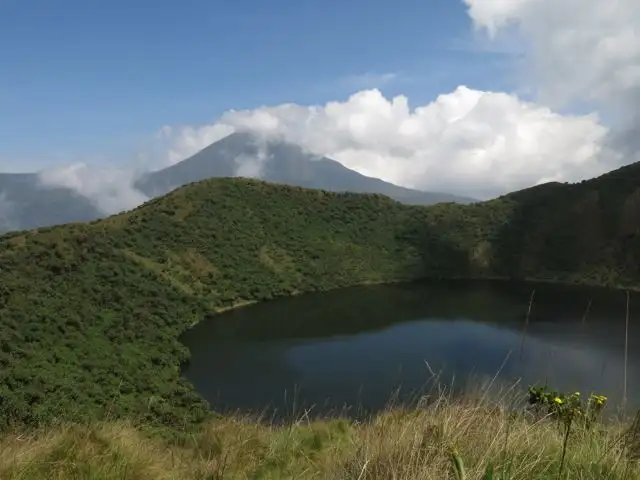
pixel 25 203
pixel 280 162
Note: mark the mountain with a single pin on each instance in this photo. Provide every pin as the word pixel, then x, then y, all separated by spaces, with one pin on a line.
pixel 90 314
pixel 26 203
pixel 244 154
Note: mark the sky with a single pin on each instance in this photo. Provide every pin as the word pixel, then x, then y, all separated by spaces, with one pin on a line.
pixel 475 97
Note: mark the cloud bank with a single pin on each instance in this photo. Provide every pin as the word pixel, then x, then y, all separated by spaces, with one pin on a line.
pixel 111 190
pixel 585 51
pixel 579 49
pixel 469 142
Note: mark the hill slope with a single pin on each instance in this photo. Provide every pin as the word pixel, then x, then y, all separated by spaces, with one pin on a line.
pixel 90 313
pixel 589 231
pixel 101 305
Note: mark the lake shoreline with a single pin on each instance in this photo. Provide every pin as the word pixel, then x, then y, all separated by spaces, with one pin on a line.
pixel 491 278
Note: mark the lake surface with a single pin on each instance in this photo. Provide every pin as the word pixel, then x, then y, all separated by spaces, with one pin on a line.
pixel 355 347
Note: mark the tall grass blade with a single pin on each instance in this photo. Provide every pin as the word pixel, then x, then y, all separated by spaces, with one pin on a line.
pixel 626 357
pixel 458 465
pixel 488 474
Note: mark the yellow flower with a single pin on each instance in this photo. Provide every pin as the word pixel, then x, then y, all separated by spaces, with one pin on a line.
pixel 558 400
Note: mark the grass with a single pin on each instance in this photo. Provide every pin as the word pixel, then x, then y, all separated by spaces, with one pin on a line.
pixel 398 443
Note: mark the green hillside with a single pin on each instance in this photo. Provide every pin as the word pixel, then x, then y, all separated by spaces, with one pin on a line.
pixel 585 232
pixel 90 314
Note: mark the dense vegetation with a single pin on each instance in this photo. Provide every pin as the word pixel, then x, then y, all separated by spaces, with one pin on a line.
pixel 586 232
pixel 90 314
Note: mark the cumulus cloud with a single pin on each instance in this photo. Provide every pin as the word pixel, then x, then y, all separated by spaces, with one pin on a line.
pixel 468 142
pixel 252 166
pixel 187 140
pixel 579 50
pixel 111 190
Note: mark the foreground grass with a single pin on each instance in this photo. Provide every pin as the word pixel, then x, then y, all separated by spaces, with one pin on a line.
pixel 397 444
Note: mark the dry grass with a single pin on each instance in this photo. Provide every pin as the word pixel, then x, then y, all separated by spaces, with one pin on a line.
pixel 397 444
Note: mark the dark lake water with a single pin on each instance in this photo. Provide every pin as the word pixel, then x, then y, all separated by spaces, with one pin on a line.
pixel 356 347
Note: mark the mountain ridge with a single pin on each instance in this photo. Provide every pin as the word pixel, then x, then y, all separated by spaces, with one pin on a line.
pixel 285 163
pixel 25 202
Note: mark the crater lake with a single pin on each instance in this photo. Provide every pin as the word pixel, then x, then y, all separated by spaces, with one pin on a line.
pixel 355 350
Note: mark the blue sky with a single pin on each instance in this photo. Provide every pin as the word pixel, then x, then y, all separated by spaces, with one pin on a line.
pixel 87 78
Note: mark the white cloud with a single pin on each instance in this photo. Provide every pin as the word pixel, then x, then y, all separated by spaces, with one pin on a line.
pixel 467 142
pixel 252 166
pixel 110 189
pixel 189 139
pixel 579 49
